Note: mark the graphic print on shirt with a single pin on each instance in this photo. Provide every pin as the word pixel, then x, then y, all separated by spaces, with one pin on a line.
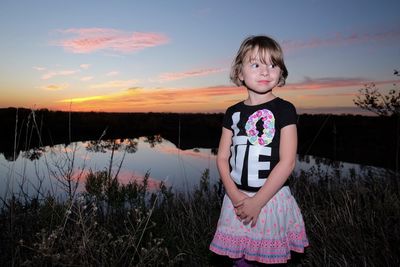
pixel 252 148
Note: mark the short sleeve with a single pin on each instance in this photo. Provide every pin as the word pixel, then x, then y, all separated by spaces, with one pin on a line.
pixel 288 114
pixel 227 122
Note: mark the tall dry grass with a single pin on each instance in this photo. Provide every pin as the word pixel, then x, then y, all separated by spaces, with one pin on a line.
pixel 351 221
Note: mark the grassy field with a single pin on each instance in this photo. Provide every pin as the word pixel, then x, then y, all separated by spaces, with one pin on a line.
pixel 350 221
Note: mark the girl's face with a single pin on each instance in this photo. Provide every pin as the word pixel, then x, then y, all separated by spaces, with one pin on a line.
pixel 259 74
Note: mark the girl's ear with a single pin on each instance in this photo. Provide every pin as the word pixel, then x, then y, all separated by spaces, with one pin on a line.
pixel 240 76
pixel 281 81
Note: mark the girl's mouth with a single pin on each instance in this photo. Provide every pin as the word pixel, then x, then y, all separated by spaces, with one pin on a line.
pixel 264 82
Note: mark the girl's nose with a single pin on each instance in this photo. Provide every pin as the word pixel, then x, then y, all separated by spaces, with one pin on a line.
pixel 264 70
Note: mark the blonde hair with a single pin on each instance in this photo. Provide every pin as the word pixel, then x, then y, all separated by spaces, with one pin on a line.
pixel 264 45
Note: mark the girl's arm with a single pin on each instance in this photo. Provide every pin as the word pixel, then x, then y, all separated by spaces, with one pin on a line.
pixel 223 167
pixel 249 209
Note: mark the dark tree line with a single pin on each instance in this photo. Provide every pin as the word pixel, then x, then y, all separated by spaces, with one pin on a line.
pixel 352 138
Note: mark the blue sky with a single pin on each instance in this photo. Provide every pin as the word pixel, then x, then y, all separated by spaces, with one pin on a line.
pixel 175 55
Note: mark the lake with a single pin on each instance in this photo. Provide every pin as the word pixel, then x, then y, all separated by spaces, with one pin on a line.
pixel 46 170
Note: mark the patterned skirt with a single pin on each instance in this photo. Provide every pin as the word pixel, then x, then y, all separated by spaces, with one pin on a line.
pixel 279 229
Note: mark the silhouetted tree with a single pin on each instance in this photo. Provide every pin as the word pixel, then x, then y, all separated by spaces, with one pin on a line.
pixel 370 98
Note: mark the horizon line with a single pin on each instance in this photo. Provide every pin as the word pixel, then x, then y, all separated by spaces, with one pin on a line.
pixel 353 111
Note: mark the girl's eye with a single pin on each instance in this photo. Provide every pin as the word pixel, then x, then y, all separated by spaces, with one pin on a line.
pixel 254 65
pixel 271 66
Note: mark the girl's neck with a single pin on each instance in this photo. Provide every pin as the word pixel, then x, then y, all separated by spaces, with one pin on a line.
pixel 256 99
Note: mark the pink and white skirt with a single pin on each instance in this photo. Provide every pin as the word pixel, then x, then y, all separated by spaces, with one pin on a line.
pixel 279 229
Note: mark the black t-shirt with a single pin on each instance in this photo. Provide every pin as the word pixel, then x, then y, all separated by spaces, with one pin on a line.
pixel 255 141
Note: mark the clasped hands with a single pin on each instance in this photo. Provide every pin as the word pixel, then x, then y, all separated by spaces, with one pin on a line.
pixel 247 210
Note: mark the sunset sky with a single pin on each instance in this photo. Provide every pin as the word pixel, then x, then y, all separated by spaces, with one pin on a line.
pixel 175 56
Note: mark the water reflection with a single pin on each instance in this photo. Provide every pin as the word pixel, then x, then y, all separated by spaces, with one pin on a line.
pixel 62 169
pixel 129 145
pixel 33 154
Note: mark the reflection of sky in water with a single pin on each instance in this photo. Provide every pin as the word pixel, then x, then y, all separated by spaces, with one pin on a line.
pixel 181 169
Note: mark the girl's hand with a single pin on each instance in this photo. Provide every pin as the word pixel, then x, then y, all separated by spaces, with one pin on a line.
pixel 237 197
pixel 248 210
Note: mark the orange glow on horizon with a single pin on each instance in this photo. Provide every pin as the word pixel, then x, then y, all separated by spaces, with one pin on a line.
pixel 82 99
pixel 210 99
pixel 310 93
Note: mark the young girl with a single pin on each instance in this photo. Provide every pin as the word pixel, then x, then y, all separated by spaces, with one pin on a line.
pixel 260 220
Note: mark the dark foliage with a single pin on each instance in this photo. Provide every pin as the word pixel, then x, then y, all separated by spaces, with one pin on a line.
pixel 351 221
pixel 358 139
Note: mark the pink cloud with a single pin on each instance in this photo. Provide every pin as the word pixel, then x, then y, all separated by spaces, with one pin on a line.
pixel 339 39
pixel 52 74
pixel 55 87
pixel 38 68
pixel 89 40
pixel 189 152
pixel 84 66
pixel 171 76
pixel 112 73
pixel 126 177
pixel 322 83
pixel 335 110
pixel 115 84
pixel 86 78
